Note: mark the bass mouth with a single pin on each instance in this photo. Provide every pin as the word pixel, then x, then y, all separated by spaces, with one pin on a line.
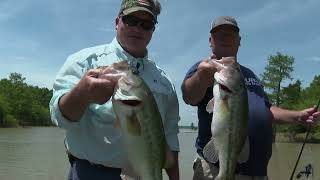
pixel 225 88
pixel 133 103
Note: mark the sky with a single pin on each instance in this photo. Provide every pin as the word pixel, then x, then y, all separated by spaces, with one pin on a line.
pixel 37 36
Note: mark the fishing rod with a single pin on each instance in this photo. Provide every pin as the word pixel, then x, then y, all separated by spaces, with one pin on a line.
pixel 304 142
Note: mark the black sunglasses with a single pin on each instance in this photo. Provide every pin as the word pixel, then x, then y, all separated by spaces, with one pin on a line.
pixel 146 25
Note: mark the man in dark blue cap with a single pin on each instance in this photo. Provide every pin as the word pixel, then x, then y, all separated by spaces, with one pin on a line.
pixel 197 91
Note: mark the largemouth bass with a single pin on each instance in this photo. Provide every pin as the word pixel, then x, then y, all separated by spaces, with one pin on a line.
pixel 229 143
pixel 140 122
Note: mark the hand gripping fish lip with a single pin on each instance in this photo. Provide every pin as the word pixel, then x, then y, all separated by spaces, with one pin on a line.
pixel 221 81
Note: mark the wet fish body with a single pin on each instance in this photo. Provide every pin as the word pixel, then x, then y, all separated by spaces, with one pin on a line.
pixel 140 122
pixel 229 105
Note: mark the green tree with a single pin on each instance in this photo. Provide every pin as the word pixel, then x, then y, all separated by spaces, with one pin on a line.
pixel 3 110
pixel 6 119
pixel 311 97
pixel 278 69
pixel 24 104
pixel 17 79
pixel 312 93
pixel 291 95
pixel 292 99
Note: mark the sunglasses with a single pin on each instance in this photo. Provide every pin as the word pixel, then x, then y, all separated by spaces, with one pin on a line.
pixel 131 21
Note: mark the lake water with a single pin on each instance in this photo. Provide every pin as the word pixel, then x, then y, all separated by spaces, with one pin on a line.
pixel 39 154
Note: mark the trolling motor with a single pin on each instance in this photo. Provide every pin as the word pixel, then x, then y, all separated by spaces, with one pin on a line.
pixel 308 171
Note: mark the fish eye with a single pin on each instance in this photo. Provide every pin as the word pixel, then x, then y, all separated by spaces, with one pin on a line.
pixel 124 92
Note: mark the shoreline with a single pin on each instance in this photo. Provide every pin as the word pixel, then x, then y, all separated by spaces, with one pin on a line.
pixel 280 137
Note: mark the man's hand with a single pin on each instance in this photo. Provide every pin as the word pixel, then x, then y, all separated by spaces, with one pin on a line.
pixel 306 116
pixel 309 116
pixel 206 71
pixel 195 87
pixel 94 87
pixel 173 172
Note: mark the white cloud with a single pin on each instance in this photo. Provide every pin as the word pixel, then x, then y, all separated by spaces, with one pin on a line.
pixel 315 59
pixel 41 79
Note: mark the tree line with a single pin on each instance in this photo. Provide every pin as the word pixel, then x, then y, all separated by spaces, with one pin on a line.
pixel 22 104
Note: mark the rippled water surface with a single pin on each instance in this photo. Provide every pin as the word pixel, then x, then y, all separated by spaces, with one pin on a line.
pixel 39 154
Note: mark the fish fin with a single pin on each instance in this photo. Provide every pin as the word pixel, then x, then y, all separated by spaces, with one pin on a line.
pixel 133 125
pixel 210 153
pixel 169 161
pixel 210 105
pixel 245 152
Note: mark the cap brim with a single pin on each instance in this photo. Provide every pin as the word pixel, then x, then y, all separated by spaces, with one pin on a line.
pixel 135 9
pixel 220 25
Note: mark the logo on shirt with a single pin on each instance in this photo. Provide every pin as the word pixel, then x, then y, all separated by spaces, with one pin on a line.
pixel 252 82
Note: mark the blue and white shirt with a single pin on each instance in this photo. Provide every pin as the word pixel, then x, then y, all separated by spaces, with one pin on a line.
pixel 260 124
pixel 94 137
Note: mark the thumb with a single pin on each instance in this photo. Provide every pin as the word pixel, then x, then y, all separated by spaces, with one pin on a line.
pixel 93 73
pixel 311 110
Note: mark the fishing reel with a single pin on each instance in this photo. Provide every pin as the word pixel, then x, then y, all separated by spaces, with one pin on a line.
pixel 306 172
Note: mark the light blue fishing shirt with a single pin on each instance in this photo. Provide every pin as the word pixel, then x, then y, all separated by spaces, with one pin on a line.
pixel 94 136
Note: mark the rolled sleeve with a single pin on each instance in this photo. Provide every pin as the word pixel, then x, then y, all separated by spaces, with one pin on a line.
pixel 70 74
pixel 57 117
pixel 172 119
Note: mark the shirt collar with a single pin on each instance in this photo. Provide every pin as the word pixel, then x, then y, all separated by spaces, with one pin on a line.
pixel 136 63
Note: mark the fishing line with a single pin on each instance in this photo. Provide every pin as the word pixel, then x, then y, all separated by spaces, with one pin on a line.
pixel 304 142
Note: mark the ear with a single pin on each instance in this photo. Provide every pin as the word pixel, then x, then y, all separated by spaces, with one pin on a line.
pixel 210 38
pixel 239 40
pixel 117 21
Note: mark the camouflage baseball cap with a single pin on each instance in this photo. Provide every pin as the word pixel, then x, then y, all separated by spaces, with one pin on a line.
pixel 224 20
pixel 151 6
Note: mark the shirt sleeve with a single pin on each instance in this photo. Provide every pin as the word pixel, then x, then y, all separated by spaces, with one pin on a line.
pixel 172 118
pixel 68 76
pixel 192 70
pixel 265 96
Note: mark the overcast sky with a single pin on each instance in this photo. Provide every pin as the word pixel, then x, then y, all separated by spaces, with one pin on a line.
pixel 36 36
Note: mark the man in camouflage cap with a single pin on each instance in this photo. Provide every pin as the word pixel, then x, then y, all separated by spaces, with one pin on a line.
pixel 150 6
pixel 81 96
